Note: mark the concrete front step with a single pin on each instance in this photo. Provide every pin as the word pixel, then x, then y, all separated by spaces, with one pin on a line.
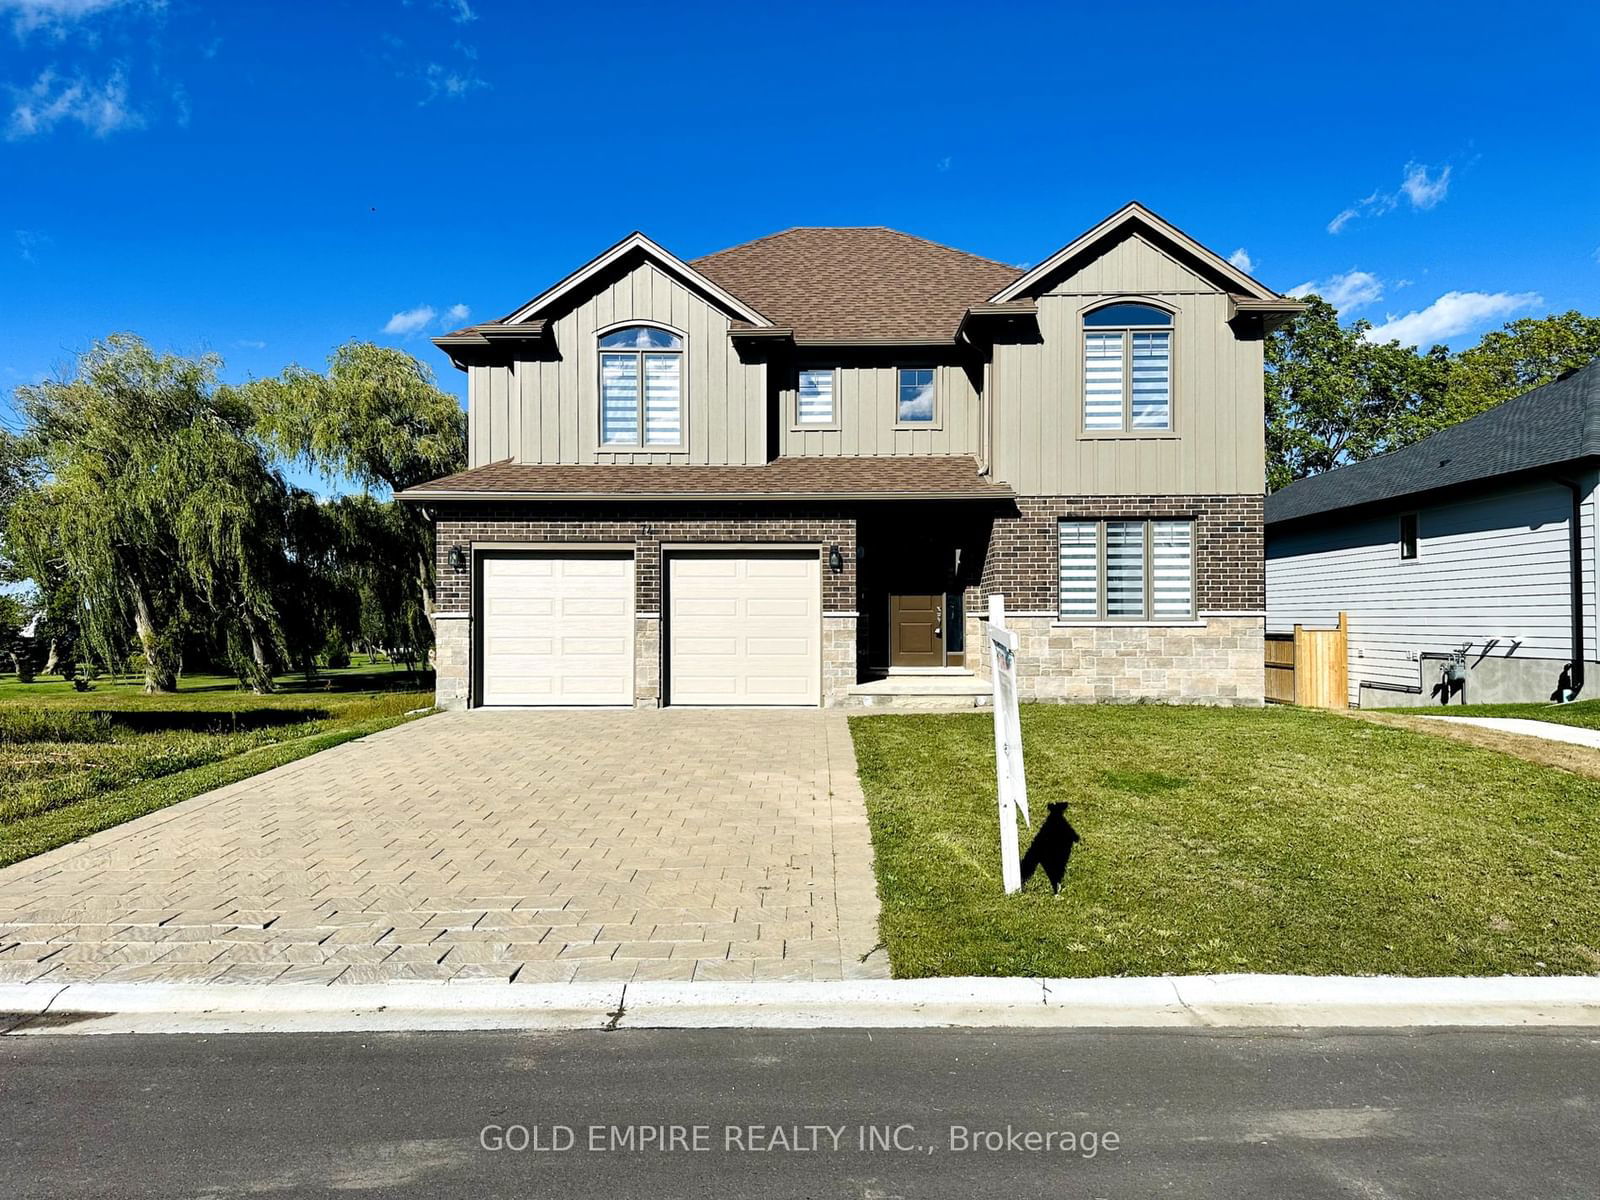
pixel 922 692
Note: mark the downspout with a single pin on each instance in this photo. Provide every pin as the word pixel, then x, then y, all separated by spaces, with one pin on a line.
pixel 1575 549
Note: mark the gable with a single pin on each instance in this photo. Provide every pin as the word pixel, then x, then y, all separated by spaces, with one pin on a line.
pixel 636 248
pixel 1187 258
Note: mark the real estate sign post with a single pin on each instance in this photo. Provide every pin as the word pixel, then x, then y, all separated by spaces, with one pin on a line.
pixel 1012 784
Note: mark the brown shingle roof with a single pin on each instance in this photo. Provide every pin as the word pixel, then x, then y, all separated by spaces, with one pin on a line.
pixel 809 478
pixel 867 284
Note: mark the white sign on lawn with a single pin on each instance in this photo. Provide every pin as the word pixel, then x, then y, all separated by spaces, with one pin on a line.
pixel 1013 785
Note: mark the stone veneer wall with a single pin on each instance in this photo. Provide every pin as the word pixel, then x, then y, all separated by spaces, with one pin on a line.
pixel 1215 659
pixel 452 661
pixel 1219 662
pixel 647 528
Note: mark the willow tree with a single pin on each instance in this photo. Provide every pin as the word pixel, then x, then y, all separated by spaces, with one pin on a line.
pixel 156 504
pixel 377 417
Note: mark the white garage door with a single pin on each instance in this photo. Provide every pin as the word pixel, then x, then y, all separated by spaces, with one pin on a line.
pixel 557 629
pixel 744 628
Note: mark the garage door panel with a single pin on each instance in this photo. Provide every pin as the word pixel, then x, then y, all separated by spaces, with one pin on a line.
pixel 557 629
pixel 744 628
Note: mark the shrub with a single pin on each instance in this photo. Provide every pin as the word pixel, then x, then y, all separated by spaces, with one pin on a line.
pixel 336 655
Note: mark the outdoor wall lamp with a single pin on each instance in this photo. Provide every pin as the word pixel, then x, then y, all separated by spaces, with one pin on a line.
pixel 458 558
pixel 835 559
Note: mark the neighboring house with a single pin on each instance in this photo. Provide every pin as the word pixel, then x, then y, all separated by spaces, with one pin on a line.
pixel 792 473
pixel 1477 540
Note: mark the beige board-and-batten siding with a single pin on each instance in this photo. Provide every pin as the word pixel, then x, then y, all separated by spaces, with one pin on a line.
pixel 1217 444
pixel 866 392
pixel 547 409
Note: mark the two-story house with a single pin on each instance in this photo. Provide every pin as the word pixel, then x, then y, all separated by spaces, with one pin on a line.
pixel 792 472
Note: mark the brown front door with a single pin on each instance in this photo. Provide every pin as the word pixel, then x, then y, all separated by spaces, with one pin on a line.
pixel 916 631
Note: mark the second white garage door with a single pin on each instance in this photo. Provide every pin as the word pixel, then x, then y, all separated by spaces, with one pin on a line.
pixel 557 629
pixel 744 628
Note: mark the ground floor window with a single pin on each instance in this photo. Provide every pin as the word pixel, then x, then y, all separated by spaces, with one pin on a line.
pixel 1126 570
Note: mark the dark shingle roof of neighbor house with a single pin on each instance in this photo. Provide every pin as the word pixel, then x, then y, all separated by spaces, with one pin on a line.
pixel 923 478
pixel 1553 424
pixel 857 284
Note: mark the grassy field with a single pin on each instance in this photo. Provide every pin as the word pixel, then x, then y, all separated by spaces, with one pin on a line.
pixel 1277 840
pixel 73 763
pixel 1584 713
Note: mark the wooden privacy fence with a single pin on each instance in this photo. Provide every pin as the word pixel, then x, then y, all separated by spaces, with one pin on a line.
pixel 1310 667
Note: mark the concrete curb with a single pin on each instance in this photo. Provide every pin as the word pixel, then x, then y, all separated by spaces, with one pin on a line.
pixel 1193 1002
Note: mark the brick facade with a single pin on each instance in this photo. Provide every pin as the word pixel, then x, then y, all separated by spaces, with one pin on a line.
pixel 1215 658
pixel 645 527
pixel 1229 550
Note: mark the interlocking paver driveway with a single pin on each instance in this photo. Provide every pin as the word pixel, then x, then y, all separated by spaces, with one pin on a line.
pixel 505 845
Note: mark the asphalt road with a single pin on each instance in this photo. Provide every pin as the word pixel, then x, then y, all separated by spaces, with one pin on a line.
pixel 786 1114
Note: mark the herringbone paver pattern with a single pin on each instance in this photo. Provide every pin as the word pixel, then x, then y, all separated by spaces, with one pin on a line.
pixel 510 845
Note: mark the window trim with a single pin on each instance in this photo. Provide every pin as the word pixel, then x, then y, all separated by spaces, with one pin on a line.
pixel 640 446
pixel 1416 536
pixel 1148 616
pixel 798 426
pixel 1127 332
pixel 936 422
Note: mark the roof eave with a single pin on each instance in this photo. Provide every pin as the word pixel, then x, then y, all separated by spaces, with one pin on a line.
pixel 418 496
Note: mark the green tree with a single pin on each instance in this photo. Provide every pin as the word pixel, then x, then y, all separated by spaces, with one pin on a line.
pixel 157 507
pixel 375 416
pixel 1333 396
pixel 1517 359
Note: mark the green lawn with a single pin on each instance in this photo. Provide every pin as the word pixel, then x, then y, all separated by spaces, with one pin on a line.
pixel 72 763
pixel 1276 840
pixel 1585 713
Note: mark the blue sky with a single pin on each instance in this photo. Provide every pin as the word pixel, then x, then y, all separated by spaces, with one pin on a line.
pixel 266 180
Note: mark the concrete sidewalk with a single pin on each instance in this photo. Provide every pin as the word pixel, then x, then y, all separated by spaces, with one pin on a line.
pixel 1548 730
pixel 1198 1001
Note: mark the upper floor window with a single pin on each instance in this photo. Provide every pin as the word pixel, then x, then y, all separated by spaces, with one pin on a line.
pixel 641 387
pixel 814 402
pixel 915 403
pixel 1127 368
pixel 1408 535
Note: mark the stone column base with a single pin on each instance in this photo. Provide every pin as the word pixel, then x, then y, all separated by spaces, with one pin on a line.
pixel 452 660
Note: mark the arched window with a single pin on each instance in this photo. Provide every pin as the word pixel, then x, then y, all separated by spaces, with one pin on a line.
pixel 1127 368
pixel 641 387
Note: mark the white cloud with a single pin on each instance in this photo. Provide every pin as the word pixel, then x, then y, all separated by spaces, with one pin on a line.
pixel 30 15
pixel 1451 314
pixel 29 241
pixel 250 344
pixel 411 321
pixel 101 108
pixel 460 11
pixel 1241 259
pixel 1424 193
pixel 1423 190
pixel 944 163
pixel 457 312
pixel 451 84
pixel 1345 292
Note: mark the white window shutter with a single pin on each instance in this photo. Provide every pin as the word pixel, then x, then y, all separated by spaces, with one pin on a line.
pixel 1152 380
pixel 1172 568
pixel 1102 380
pixel 1079 570
pixel 619 399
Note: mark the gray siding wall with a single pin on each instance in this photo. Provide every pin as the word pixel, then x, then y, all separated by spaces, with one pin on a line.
pixel 865 399
pixel 1495 566
pixel 1217 445
pixel 548 410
